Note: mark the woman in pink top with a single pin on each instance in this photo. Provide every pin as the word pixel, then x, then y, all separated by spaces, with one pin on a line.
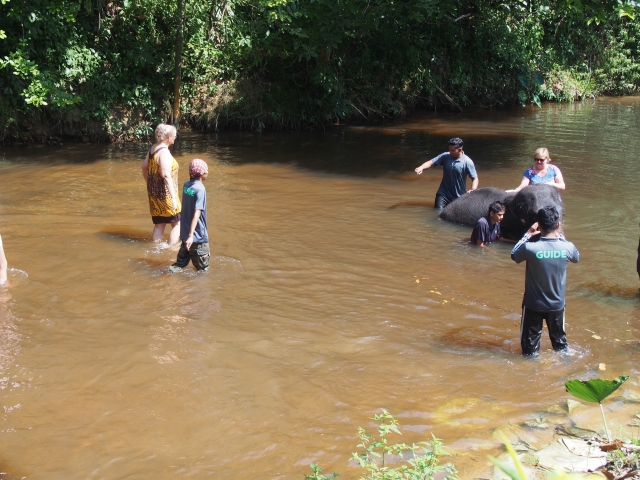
pixel 541 172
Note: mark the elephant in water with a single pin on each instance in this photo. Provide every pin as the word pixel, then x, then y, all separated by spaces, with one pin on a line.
pixel 521 209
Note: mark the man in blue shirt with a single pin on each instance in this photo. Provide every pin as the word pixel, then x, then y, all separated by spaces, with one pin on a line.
pixel 545 281
pixel 193 225
pixel 456 166
pixel 487 228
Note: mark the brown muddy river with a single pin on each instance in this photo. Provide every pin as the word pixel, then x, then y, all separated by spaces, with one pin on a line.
pixel 312 317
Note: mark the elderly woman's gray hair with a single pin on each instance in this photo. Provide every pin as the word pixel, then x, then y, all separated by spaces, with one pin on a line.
pixel 164 131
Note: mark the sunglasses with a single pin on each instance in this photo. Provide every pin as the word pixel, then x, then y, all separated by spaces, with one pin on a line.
pixel 540 159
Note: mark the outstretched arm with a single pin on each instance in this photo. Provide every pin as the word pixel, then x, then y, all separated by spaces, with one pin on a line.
pixel 525 181
pixel 424 166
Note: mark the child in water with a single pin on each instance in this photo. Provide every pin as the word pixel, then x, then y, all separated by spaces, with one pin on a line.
pixel 3 265
pixel 193 225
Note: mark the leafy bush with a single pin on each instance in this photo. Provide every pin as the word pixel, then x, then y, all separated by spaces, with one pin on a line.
pixel 106 68
pixel 420 461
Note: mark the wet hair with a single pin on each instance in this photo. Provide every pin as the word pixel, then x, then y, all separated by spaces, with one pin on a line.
pixel 496 207
pixel 456 142
pixel 548 219
pixel 164 131
pixel 542 152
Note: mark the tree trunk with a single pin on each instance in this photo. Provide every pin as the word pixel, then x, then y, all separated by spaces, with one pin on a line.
pixel 178 69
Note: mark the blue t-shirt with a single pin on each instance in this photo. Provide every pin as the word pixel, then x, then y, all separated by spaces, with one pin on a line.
pixel 194 197
pixel 546 277
pixel 535 179
pixel 485 232
pixel 454 175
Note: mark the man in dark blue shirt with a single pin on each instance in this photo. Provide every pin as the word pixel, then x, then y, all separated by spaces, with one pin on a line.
pixel 545 281
pixel 456 166
pixel 487 229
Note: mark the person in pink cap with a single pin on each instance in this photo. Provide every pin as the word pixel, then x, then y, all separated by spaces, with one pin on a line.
pixel 193 226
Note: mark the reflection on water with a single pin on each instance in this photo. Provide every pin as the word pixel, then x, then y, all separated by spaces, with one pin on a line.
pixel 334 290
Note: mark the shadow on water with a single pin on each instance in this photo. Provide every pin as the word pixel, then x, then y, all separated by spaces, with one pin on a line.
pixel 129 234
pixel 608 289
pixel 411 204
pixel 153 262
pixel 493 139
pixel 362 154
pixel 476 338
pixel 74 153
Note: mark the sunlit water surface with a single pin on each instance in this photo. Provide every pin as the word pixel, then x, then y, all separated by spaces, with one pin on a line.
pixel 334 290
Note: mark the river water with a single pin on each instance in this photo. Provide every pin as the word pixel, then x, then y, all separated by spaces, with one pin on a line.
pixel 334 291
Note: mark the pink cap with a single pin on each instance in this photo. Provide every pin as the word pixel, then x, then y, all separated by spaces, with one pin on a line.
pixel 197 168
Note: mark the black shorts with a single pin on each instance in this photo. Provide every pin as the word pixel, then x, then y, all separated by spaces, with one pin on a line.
pixel 160 220
pixel 531 330
pixel 198 254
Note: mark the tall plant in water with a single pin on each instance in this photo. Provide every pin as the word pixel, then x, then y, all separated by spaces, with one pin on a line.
pixel 422 460
pixel 595 390
pixel 423 457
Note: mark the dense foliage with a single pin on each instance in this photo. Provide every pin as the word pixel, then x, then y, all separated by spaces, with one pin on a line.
pixel 105 69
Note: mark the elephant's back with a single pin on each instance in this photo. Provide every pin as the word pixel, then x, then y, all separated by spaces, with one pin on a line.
pixel 467 209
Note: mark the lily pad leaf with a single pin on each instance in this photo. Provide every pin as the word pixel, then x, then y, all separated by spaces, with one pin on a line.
pixel 594 390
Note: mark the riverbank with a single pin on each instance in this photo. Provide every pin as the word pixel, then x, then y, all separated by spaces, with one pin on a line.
pixel 563 435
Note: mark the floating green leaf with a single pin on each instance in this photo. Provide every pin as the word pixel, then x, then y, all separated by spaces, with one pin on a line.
pixel 594 390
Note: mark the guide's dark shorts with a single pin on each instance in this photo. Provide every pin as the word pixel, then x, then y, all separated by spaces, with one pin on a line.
pixel 198 254
pixel 172 219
